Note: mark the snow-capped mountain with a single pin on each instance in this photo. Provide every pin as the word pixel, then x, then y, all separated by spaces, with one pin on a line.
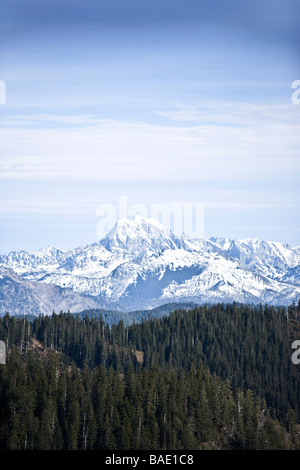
pixel 138 235
pixel 140 264
pixel 35 262
pixel 267 258
pixel 20 296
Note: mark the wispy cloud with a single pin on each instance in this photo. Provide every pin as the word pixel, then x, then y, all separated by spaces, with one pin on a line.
pixel 58 205
pixel 232 113
pixel 43 119
pixel 26 207
pixel 217 142
pixel 246 206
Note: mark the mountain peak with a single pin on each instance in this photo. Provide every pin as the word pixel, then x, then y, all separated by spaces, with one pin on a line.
pixel 139 234
pixel 49 250
pixel 140 263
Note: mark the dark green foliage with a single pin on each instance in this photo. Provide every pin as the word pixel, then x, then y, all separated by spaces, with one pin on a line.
pixel 249 346
pixel 217 377
pixel 46 407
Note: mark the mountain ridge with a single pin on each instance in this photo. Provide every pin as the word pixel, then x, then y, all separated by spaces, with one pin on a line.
pixel 139 264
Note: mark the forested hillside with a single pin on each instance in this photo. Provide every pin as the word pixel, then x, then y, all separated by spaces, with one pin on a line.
pixel 217 377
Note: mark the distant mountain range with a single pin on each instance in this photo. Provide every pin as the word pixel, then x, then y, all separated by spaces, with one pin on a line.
pixel 140 264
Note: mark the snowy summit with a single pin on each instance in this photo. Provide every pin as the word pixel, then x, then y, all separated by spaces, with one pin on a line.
pixel 140 264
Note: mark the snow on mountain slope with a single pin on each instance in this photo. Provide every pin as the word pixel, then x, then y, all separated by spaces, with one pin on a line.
pixel 269 258
pixel 292 276
pixel 225 280
pixel 140 234
pixel 140 264
pixel 35 263
pixel 19 296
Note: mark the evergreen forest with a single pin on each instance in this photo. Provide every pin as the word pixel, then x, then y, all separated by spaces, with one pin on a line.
pixel 215 377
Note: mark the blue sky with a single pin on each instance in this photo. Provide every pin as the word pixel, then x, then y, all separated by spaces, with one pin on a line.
pixel 163 102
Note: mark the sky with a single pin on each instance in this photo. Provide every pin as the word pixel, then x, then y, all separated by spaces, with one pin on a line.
pixel 162 102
